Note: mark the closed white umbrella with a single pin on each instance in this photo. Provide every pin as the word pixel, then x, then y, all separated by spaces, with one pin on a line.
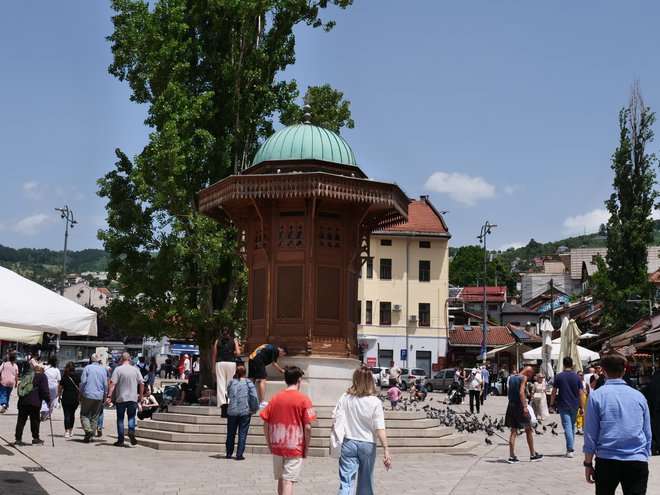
pixel 546 349
pixel 570 335
pixel 562 348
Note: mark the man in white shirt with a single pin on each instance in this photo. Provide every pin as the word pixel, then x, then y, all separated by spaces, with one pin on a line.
pixel 395 374
pixel 475 384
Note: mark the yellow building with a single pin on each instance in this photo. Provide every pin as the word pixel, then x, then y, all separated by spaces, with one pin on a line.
pixel 403 292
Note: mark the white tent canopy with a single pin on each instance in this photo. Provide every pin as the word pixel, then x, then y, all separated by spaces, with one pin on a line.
pixel 585 354
pixel 27 310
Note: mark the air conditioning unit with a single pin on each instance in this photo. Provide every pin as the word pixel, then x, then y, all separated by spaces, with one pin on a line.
pixel 412 317
pixel 396 307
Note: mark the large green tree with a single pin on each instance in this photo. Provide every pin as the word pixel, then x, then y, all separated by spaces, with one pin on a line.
pixel 466 269
pixel 623 274
pixel 207 69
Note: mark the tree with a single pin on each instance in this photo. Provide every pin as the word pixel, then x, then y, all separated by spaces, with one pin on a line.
pixel 623 274
pixel 466 269
pixel 329 109
pixel 207 71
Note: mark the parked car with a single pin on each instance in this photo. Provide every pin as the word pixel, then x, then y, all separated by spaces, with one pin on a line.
pixel 80 365
pixel 376 373
pixel 441 381
pixel 412 375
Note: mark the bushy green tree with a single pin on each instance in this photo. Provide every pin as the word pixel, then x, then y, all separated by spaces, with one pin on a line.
pixel 466 269
pixel 329 109
pixel 623 274
pixel 207 71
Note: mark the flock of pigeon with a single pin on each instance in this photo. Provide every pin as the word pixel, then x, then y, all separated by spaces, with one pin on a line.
pixel 465 421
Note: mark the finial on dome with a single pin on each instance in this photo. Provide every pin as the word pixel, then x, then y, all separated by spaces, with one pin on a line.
pixel 307 114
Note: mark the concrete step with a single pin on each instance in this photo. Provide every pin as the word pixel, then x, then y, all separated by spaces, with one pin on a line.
pixel 321 412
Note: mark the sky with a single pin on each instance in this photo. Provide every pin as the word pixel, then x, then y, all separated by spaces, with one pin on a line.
pixel 505 112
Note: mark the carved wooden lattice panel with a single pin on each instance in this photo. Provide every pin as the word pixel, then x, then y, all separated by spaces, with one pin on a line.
pixel 327 293
pixel 291 235
pixel 258 293
pixel 329 235
pixel 290 291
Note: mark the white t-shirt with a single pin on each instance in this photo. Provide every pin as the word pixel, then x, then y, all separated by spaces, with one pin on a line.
pixel 54 376
pixel 474 381
pixel 363 415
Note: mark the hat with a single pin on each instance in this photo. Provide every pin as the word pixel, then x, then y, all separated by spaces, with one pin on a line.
pixel 38 366
pixel 95 358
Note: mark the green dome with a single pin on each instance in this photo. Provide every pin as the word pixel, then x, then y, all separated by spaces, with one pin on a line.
pixel 305 142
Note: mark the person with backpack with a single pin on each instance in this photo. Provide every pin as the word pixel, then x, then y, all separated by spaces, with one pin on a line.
pixel 32 390
pixel 243 402
pixel 8 380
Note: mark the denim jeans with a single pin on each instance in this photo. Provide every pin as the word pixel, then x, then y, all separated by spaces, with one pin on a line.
pixel 5 392
pixel 356 458
pixel 242 423
pixel 129 408
pixel 100 420
pixel 568 418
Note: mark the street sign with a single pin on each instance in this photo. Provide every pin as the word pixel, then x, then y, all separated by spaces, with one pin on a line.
pixel 404 354
pixel 371 361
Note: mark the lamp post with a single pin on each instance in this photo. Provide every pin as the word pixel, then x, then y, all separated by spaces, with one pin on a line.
pixel 67 215
pixel 485 230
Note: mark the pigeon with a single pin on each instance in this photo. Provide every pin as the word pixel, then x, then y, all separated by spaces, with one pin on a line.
pixel 544 428
pixel 488 442
pixel 554 432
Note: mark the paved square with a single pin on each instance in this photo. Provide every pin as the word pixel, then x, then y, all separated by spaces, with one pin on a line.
pixel 73 467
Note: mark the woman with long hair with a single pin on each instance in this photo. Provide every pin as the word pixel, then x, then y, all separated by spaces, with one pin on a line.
pixel 54 376
pixel 68 393
pixel 239 391
pixel 225 351
pixel 364 422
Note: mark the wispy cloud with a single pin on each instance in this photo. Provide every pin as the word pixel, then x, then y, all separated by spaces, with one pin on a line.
pixel 514 245
pixel 30 225
pixel 460 187
pixel 31 190
pixel 587 222
pixel 71 193
pixel 513 188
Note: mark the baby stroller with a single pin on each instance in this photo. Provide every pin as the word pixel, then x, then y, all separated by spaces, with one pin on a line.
pixel 455 394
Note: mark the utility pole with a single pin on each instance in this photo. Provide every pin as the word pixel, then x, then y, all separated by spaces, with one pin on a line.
pixel 67 215
pixel 485 230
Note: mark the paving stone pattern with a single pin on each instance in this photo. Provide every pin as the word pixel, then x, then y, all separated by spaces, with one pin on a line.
pixel 99 468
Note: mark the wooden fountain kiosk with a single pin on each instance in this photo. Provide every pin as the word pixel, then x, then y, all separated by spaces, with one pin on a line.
pixel 304 212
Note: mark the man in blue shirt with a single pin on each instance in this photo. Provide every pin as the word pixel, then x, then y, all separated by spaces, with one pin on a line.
pixel 569 385
pixel 93 391
pixel 617 431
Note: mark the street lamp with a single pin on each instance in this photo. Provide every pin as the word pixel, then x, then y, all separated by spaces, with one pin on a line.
pixel 67 215
pixel 485 230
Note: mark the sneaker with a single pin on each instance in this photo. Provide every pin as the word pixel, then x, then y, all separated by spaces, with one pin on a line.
pixel 99 432
pixel 118 443
pixel 19 443
pixel 262 406
pixel 513 460
pixel 569 454
pixel 37 441
pixel 67 434
pixel 240 458
pixel 536 457
pixel 2 409
pixel 132 438
pixel 88 437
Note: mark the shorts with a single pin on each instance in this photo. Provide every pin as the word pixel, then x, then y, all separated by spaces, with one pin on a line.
pixel 516 419
pixel 393 403
pixel 287 468
pixel 256 369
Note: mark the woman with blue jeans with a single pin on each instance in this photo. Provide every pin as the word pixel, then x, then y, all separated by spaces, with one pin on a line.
pixel 239 412
pixel 364 422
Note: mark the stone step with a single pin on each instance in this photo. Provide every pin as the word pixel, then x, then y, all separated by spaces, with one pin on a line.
pixel 257 439
pixel 321 412
pixel 435 431
pixel 458 448
pixel 321 422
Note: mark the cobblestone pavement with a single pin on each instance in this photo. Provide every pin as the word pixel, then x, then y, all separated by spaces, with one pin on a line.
pixel 73 467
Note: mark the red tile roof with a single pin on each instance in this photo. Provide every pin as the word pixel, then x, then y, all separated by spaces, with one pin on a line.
pixel 495 336
pixel 423 218
pixel 476 294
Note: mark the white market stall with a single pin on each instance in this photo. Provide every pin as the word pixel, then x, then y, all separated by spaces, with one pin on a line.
pixel 585 354
pixel 27 310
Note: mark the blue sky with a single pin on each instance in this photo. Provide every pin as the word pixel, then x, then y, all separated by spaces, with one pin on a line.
pixel 501 111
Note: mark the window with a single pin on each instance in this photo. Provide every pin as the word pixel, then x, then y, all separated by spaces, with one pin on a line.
pixel 369 312
pixel 385 313
pixel 424 315
pixel 386 242
pixel 370 268
pixel 384 357
pixel 425 244
pixel 386 269
pixel 359 312
pixel 424 271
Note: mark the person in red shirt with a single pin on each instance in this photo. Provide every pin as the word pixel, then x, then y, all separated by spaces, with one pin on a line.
pixel 288 429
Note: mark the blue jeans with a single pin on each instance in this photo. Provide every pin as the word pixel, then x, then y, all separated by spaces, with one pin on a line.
pixel 130 408
pixel 5 392
pixel 357 458
pixel 568 418
pixel 100 420
pixel 242 423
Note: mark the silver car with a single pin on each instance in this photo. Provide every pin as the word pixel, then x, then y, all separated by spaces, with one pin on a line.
pixel 441 381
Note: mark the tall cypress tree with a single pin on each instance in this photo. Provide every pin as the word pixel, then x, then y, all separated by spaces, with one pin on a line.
pixel 630 228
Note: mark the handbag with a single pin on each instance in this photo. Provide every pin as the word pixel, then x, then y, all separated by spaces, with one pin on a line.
pixel 338 429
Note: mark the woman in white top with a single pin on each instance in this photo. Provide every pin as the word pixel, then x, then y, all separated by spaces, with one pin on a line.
pixel 364 421
pixel 54 378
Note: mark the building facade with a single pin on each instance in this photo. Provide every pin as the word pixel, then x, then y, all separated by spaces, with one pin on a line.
pixel 403 292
